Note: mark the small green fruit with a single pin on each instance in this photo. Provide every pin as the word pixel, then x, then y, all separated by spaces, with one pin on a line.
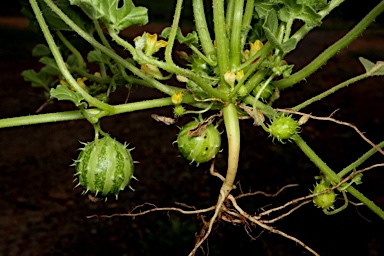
pixel 266 93
pixel 283 128
pixel 201 148
pixel 325 200
pixel 104 167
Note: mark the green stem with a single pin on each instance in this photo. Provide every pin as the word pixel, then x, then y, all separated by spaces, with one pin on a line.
pixel 247 19
pixel 122 42
pixel 76 53
pixel 229 14
pixel 61 64
pixel 232 128
pixel 172 34
pixel 359 161
pixel 235 43
pixel 330 91
pixel 202 29
pixel 221 38
pixel 332 50
pixel 76 115
pixel 104 40
pixel 267 110
pixel 332 176
pixel 202 56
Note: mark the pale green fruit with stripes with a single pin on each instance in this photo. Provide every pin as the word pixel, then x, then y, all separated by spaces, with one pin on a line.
pixel 202 148
pixel 104 167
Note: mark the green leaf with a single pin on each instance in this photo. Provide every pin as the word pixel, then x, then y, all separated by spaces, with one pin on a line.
pixel 289 45
pixel 41 50
pixel 373 69
pixel 263 7
pixel 270 27
pixel 62 92
pixel 120 17
pixel 190 39
pixel 41 79
pixel 97 56
pixel 303 10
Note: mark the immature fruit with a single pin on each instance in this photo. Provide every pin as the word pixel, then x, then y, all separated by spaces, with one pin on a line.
pixel 104 167
pixel 266 93
pixel 283 128
pixel 325 200
pixel 200 148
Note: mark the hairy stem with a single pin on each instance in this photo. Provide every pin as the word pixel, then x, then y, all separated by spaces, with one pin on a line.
pixel 172 35
pixel 202 29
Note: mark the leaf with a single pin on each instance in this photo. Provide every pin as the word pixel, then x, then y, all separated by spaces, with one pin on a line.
pixel 97 56
pixel 289 45
pixel 263 7
pixel 373 69
pixel 62 92
pixel 41 50
pixel 190 39
pixel 110 12
pixel 270 27
pixel 41 79
pixel 302 10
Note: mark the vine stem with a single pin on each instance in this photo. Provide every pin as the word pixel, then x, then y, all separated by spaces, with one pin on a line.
pixel 232 127
pixel 202 29
pixel 172 35
pixel 329 173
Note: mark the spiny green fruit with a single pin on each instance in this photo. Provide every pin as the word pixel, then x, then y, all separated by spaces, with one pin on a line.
pixel 325 200
pixel 283 128
pixel 201 148
pixel 104 167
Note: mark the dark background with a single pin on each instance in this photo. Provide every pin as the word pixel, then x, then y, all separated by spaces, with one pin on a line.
pixel 41 213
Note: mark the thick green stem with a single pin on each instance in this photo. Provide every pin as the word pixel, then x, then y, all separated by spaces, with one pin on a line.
pixel 332 176
pixel 332 50
pixel 202 29
pixel 235 43
pixel 232 128
pixel 247 19
pixel 221 38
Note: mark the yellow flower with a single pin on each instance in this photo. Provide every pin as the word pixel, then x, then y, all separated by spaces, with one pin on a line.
pixel 177 98
pixel 239 75
pixel 255 47
pixel 152 45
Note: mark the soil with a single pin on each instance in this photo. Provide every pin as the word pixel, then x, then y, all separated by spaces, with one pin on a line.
pixel 42 214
